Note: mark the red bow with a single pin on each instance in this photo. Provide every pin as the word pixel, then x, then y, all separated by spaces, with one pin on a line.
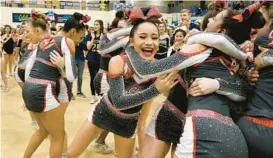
pixel 85 19
pixel 34 16
pixel 127 13
pixel 138 14
pixel 247 12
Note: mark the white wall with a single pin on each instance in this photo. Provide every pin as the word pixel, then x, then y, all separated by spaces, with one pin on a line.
pixel 106 16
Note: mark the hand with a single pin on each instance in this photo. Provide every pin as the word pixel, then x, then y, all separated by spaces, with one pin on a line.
pixel 164 83
pixel 247 46
pixel 176 45
pixel 57 59
pixel 203 86
pixel 259 58
pixel 252 76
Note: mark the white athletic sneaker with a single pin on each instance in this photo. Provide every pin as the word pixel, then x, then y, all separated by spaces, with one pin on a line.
pixel 63 156
pixel 102 148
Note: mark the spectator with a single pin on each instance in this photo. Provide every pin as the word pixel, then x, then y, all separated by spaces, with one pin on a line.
pixel 119 15
pixel 93 57
pixel 186 23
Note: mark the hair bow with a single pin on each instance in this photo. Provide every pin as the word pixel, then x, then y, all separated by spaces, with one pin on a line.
pixel 85 19
pixel 247 12
pixel 127 13
pixel 138 13
pixel 34 16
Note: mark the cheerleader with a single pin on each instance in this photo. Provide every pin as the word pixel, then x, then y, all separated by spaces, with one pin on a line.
pixel 257 123
pixel 164 41
pixel 46 103
pixel 201 110
pixel 118 111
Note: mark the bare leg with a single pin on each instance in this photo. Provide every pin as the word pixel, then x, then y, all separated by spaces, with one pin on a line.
pixel 36 139
pixel 65 134
pixel 53 121
pixel 85 135
pixel 33 117
pixel 3 74
pixel 10 62
pixel 6 58
pixel 174 145
pixel 154 148
pixel 124 147
pixel 142 124
pixel 102 137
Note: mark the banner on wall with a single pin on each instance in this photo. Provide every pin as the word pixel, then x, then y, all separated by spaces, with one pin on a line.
pixel 20 17
pixel 17 1
pixel 62 3
pixel 61 18
pixel 93 6
pixel 40 2
pixel 58 18
pixel 76 4
pixel 32 2
pixel 69 3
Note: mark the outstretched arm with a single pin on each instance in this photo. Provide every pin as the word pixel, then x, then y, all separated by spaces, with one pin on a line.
pixel 180 60
pixel 218 41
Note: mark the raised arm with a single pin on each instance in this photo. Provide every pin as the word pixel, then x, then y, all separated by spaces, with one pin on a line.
pixel 218 41
pixel 187 57
pixel 107 46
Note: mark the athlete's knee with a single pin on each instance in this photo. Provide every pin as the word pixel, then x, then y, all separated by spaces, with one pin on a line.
pixel 42 132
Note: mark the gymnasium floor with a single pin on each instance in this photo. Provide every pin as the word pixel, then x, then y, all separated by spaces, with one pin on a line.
pixel 16 127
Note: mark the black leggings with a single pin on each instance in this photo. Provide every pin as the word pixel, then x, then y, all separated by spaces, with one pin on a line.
pixel 93 70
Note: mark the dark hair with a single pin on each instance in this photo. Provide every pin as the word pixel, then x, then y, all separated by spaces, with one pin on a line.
pixel 39 20
pixel 135 27
pixel 101 25
pixel 6 27
pixel 213 9
pixel 176 31
pixel 74 23
pixel 162 22
pixel 240 31
pixel 119 14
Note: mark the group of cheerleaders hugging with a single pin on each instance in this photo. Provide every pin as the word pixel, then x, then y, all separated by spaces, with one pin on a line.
pixel 205 83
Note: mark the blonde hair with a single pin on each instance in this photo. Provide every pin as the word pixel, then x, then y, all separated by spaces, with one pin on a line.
pixel 185 11
pixel 269 11
pixel 39 19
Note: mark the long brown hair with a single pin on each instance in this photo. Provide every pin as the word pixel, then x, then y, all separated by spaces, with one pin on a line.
pixel 101 25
